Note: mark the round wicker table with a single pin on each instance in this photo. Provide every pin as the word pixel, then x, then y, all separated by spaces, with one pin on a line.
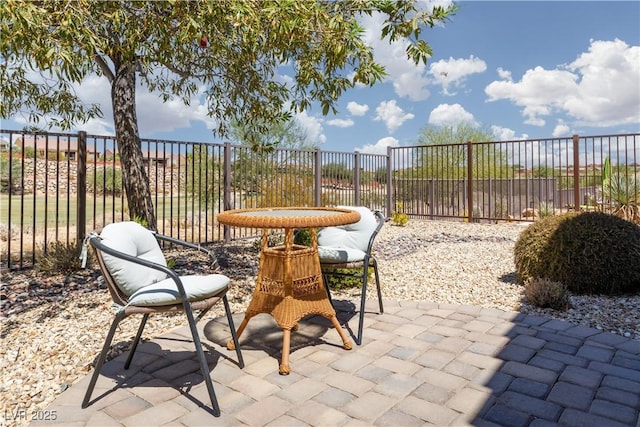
pixel 289 285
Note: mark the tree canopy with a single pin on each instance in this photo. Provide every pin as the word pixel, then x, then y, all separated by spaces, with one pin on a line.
pixel 446 152
pixel 289 134
pixel 231 50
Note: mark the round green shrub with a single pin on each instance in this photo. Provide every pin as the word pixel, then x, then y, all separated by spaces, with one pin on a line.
pixel 590 253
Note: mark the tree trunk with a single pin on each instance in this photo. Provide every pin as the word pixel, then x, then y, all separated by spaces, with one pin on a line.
pixel 134 175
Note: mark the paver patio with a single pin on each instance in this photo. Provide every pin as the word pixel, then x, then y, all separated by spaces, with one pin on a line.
pixel 419 364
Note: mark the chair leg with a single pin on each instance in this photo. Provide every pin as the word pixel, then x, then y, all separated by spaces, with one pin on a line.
pixel 204 366
pixel 375 271
pixel 234 334
pixel 136 340
pixel 101 359
pixel 363 300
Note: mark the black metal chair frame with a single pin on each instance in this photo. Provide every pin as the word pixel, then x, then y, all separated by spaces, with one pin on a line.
pixel 185 306
pixel 331 269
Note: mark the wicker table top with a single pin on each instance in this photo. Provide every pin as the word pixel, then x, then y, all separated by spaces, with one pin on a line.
pixel 290 217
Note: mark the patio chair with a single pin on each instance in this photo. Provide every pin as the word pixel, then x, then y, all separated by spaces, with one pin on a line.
pixel 139 281
pixel 346 251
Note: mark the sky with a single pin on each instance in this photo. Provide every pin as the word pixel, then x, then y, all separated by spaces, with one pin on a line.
pixel 516 69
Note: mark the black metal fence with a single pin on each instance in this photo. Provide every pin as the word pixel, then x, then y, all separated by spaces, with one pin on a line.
pixel 55 187
pixel 515 180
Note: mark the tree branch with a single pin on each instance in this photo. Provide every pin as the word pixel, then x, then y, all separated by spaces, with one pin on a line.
pixel 105 68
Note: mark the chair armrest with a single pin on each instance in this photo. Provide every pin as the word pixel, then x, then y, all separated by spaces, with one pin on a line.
pixel 214 259
pixel 97 244
pixel 381 219
pixel 181 242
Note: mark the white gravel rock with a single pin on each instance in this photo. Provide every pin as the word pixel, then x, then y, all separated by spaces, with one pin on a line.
pixel 472 263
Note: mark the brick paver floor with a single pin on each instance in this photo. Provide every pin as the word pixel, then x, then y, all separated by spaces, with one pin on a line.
pixel 419 364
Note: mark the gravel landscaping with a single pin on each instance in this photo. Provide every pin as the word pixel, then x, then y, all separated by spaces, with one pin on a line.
pixel 53 326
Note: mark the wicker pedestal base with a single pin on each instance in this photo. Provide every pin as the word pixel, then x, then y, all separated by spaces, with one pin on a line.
pixel 289 287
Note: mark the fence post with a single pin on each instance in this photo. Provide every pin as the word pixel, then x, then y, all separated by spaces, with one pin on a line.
pixel 470 180
pixel 317 177
pixel 356 178
pixel 576 173
pixel 226 201
pixel 81 190
pixel 389 182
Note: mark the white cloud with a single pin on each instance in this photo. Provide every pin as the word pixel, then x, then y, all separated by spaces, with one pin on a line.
pixel 379 147
pixel 505 134
pixel 609 91
pixel 600 88
pixel 561 130
pixel 341 123
pixel 98 127
pixel 392 115
pixel 537 92
pixel 504 74
pixel 157 116
pixel 453 72
pixel 411 85
pixel 533 114
pixel 450 114
pixel 286 79
pixel 356 109
pixel 408 79
pixel 313 127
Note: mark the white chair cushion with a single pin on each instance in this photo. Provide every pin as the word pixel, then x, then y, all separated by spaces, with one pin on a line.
pixel 350 236
pixel 133 239
pixel 166 291
pixel 329 255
